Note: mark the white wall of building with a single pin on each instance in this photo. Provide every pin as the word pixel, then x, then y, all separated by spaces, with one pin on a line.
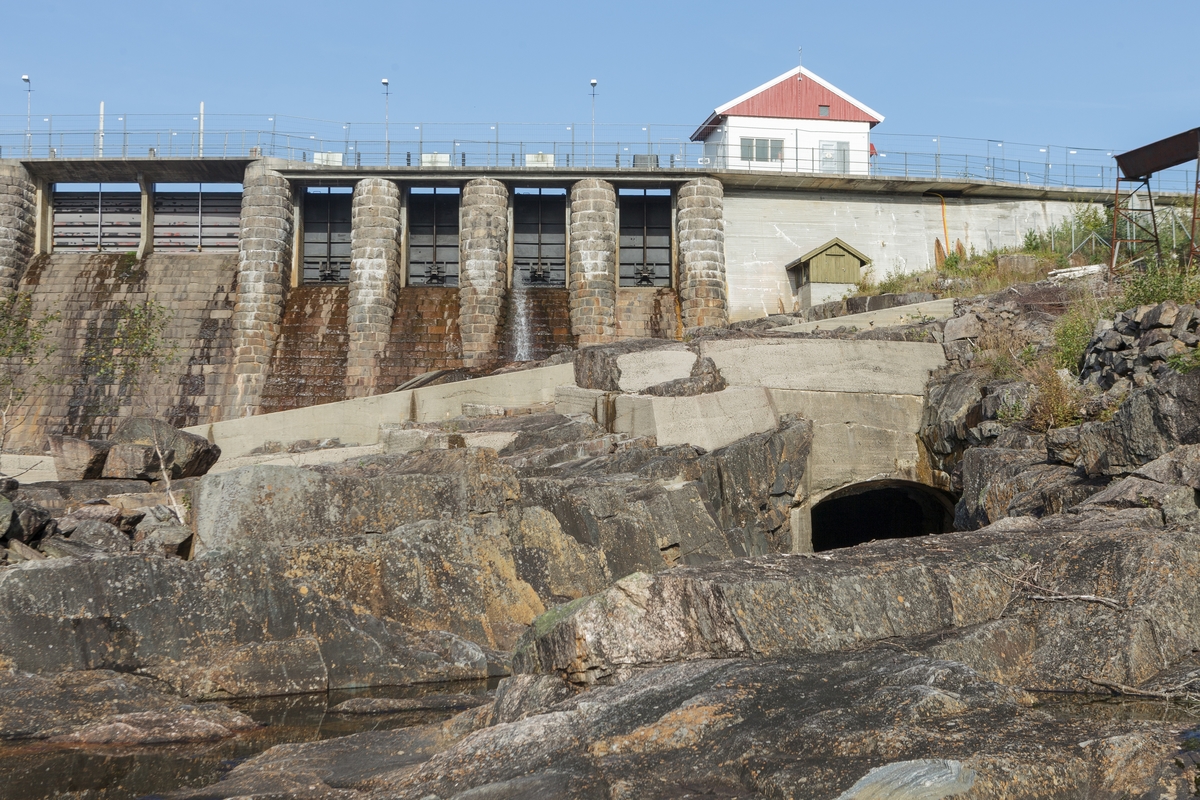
pixel 766 231
pixel 801 138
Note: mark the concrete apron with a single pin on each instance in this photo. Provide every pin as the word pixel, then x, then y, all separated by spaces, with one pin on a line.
pixel 358 421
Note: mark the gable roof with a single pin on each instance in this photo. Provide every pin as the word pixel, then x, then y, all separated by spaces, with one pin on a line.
pixel 811 254
pixel 792 99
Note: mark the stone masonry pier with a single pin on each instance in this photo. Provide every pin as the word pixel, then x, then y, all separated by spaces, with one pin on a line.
pixel 264 275
pixel 484 278
pixel 593 280
pixel 17 222
pixel 374 280
pixel 702 254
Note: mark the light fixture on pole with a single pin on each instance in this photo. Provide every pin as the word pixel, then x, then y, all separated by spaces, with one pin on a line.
pixel 387 142
pixel 593 122
pixel 28 110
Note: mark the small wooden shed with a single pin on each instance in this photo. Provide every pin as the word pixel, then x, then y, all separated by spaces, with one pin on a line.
pixel 835 264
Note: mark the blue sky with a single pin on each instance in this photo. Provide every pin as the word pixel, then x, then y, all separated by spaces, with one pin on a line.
pixel 1018 71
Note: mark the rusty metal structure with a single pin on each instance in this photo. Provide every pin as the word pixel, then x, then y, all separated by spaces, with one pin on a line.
pixel 1133 183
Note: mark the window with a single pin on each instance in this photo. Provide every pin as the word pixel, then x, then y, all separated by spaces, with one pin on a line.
pixel 762 149
pixel 540 237
pixel 823 111
pixel 433 236
pixel 645 237
pixel 327 234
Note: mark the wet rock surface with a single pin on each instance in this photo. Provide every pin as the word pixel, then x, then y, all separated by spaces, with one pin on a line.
pixel 815 726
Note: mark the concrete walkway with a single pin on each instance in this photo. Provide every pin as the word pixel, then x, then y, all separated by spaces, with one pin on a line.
pixel 899 315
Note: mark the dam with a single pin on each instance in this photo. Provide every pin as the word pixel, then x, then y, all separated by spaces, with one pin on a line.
pixel 294 283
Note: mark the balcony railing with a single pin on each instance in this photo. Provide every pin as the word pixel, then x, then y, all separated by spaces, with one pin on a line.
pixel 565 145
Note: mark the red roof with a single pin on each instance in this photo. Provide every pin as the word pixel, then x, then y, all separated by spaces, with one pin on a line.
pixel 788 98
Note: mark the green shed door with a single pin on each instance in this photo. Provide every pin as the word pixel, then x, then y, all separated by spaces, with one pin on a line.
pixel 835 265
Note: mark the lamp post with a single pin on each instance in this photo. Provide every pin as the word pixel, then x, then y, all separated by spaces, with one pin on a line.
pixel 387 143
pixel 28 110
pixel 593 122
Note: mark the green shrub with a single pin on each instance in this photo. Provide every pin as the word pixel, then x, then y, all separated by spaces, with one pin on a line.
pixel 1072 333
pixel 1185 362
pixel 1058 404
pixel 1160 282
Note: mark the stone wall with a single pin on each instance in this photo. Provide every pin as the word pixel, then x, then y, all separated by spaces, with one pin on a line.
pixel 701 226
pixel 89 292
pixel 1137 345
pixel 593 262
pixel 309 365
pixel 374 280
pixel 17 222
pixel 547 323
pixel 424 336
pixel 264 276
pixel 648 314
pixel 483 277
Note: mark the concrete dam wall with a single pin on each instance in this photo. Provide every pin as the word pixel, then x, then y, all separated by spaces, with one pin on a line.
pixel 347 283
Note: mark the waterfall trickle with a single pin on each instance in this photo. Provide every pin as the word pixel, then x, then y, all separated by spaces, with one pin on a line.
pixel 519 324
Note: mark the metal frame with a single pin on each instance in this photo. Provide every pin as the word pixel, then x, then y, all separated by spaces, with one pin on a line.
pixel 1194 247
pixel 1136 233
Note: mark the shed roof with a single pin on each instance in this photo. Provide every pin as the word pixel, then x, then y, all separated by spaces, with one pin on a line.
pixel 792 99
pixel 811 254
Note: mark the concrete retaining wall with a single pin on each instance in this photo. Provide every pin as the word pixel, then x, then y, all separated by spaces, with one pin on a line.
pixel 264 275
pixel 593 262
pixel 767 230
pixel 374 280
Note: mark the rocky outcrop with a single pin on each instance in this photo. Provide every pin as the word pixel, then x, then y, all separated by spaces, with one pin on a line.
pixel 999 482
pixel 879 723
pixel 238 625
pixel 968 588
pixel 1152 422
pixel 106 707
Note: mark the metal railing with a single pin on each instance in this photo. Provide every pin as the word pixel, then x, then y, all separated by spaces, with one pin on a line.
pixel 563 145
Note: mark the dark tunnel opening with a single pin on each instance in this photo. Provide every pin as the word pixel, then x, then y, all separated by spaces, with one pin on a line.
pixel 880 510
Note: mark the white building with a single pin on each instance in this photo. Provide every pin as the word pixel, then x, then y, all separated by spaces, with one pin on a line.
pixel 794 123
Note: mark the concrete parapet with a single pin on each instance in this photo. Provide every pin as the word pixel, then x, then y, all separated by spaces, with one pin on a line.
pixel 593 283
pixel 701 234
pixel 707 421
pixel 264 273
pixel 18 220
pixel 827 365
pixel 483 255
pixel 374 280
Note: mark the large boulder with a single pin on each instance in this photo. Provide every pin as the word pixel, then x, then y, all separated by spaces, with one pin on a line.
pixel 235 623
pixel 78 459
pixel 281 505
pixel 191 455
pixel 633 365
